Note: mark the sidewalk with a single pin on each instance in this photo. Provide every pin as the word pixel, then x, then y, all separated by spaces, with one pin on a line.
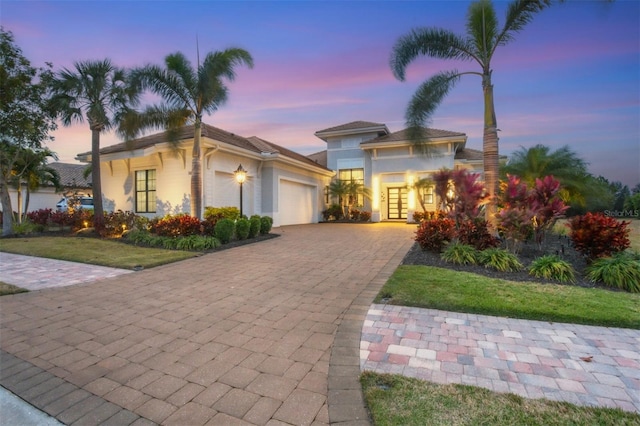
pixel 583 365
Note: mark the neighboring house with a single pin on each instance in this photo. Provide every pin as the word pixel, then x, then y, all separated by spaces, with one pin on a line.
pixel 72 180
pixel 151 177
pixel 388 163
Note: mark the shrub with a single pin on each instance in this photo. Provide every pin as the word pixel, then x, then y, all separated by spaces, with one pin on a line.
pixel 26 227
pixel 552 267
pixel 621 271
pixel 242 228
pixel 215 213
pixel 138 237
pixel 596 235
pixel 265 225
pixel 208 227
pixel 475 232
pixel 333 212
pixel 500 260
pixel 254 226
pixel 117 222
pixel 40 217
pixel 224 230
pixel 434 234
pixel 176 225
pixel 419 216
pixel 364 216
pixel 461 254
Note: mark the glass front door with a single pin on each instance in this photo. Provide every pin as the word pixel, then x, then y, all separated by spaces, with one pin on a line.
pixel 397 203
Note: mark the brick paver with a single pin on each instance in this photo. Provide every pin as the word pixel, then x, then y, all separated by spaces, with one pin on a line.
pixel 584 365
pixel 264 333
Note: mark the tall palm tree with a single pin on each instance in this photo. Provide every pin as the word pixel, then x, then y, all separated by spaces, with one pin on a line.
pixel 99 92
pixel 483 37
pixel 31 168
pixel 187 94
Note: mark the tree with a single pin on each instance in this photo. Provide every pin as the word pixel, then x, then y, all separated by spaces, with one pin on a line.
pixel 483 37
pixel 347 192
pixel 422 186
pixel 99 92
pixel 31 169
pixel 187 94
pixel 25 119
pixel 564 164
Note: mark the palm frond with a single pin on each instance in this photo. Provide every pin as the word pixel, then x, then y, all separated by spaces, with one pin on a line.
pixel 482 29
pixel 432 42
pixel 519 14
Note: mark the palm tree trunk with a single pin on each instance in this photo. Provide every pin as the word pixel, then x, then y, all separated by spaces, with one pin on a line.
pixel 96 182
pixel 7 210
pixel 196 172
pixel 490 151
pixel 19 200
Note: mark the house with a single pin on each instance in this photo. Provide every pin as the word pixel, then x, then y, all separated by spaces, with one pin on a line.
pixel 72 179
pixel 151 176
pixel 388 163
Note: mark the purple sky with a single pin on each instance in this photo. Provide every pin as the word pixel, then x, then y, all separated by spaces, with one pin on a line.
pixel 572 77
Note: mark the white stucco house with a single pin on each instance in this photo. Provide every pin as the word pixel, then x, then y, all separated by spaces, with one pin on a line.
pixel 388 163
pixel 151 177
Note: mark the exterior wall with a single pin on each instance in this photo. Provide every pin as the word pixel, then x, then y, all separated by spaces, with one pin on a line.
pixel 43 198
pixel 221 188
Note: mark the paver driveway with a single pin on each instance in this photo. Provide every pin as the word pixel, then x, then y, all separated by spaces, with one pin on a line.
pixel 267 333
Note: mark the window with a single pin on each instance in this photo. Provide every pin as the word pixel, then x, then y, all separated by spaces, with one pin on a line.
pixel 428 196
pixel 356 176
pixel 145 191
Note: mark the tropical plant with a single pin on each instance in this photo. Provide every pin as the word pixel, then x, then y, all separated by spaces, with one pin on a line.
pixel 475 232
pixel 25 116
pixel 434 234
pixel 552 267
pixel 461 254
pixel 500 260
pixel 31 170
pixel 621 271
pixel 547 206
pixel 187 94
pixel 483 37
pixel 98 92
pixel 216 213
pixel 422 186
pixel 595 235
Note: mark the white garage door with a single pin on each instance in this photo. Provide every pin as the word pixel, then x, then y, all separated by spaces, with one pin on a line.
pixel 296 203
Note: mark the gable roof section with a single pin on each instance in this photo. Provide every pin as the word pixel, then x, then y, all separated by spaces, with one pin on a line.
pixel 72 175
pixel 403 136
pixel 319 157
pixel 353 127
pixel 272 148
pixel 470 154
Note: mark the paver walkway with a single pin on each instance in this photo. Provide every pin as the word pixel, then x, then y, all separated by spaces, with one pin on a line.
pixel 261 334
pixel 583 365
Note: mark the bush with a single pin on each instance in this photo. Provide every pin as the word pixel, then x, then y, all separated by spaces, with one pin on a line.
pixel 461 254
pixel 176 225
pixel 224 230
pixel 597 235
pixel 333 212
pixel 26 228
pixel 254 226
pixel 215 213
pixel 117 222
pixel 434 234
pixel 500 260
pixel 621 271
pixel 242 228
pixel 552 267
pixel 475 232
pixel 364 216
pixel 40 217
pixel 265 225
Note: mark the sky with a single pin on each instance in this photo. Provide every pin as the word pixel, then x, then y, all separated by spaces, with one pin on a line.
pixel 571 77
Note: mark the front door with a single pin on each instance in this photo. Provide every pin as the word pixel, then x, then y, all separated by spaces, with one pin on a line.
pixel 397 203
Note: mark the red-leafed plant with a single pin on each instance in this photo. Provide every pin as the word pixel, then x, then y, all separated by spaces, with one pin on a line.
pixel 547 206
pixel 176 225
pixel 596 235
pixel 434 234
pixel 475 232
pixel 40 217
pixel 469 196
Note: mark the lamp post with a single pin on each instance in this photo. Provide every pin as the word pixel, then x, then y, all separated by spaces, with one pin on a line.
pixel 241 176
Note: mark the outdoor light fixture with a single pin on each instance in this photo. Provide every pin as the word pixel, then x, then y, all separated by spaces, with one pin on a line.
pixel 241 176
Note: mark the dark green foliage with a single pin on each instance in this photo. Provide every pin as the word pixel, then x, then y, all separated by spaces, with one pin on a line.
pixel 597 235
pixel 243 227
pixel 475 232
pixel 333 212
pixel 254 226
pixel 215 213
pixel 621 271
pixel 552 267
pixel 225 228
pixel 265 225
pixel 461 254
pixel 500 260
pixel 433 235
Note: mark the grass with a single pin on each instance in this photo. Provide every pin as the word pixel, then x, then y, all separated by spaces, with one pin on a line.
pixel 448 290
pixel 6 289
pixel 94 251
pixel 398 400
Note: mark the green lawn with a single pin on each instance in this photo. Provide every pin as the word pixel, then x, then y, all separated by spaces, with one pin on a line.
pixel 6 289
pixel 444 289
pixel 403 401
pixel 94 251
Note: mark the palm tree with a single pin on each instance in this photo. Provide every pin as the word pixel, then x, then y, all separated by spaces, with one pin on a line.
pixel 99 92
pixel 187 94
pixel 483 37
pixel 31 169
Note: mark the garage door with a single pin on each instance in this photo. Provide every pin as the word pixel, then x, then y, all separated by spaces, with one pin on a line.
pixel 297 203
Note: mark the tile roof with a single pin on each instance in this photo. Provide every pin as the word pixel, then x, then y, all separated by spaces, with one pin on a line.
pixel 319 157
pixel 402 135
pixel 352 126
pixel 284 151
pixel 470 154
pixel 72 174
